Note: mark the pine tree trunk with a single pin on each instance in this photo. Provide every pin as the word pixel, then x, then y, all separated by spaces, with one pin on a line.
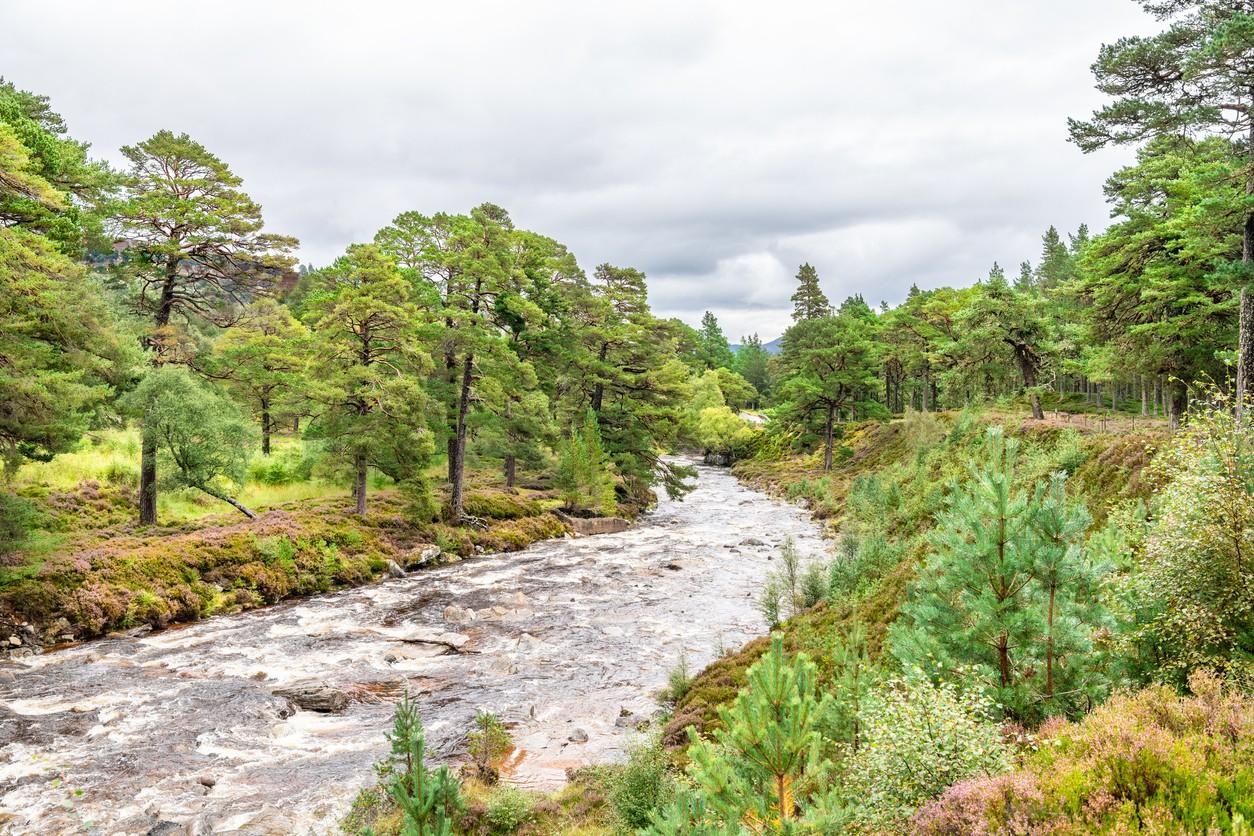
pixel 598 391
pixel 1245 338
pixel 1028 368
pixel 148 454
pixel 1245 333
pixel 265 426
pixel 1003 660
pixel 148 481
pixel 1176 405
pixel 456 497
pixel 827 440
pixel 1049 644
pixel 1144 398
pixel 511 470
pixel 359 484
pixel 296 424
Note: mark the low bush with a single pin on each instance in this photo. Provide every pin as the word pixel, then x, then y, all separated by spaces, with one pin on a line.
pixel 1150 761
pixel 644 784
pixel 17 517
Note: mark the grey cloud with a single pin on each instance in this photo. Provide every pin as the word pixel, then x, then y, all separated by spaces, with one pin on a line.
pixel 713 144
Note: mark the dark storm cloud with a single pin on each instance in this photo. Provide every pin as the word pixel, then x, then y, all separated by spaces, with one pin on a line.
pixel 715 145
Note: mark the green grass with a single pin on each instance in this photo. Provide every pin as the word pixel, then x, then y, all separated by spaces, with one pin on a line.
pixel 112 457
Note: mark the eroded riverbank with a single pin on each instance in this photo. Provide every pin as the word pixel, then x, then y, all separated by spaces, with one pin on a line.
pixel 184 726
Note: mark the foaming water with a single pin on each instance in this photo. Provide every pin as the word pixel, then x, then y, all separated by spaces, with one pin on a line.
pixel 112 736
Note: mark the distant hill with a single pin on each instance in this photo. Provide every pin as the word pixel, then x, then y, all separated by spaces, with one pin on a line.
pixel 775 346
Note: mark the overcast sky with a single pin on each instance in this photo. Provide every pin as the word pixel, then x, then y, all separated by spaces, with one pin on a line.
pixel 713 145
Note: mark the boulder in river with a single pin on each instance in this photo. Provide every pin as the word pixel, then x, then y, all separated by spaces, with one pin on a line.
pixel 315 696
pixel 578 736
pixel 394 570
pixel 587 526
pixel 420 556
pixel 456 614
pixel 452 642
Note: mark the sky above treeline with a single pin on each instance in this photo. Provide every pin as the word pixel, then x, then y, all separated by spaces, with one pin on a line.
pixel 714 145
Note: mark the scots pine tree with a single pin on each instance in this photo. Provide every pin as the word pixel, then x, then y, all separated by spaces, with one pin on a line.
pixel 712 346
pixel 1195 78
pixel 1006 592
pixel 264 359
pixel 429 800
pixel 197 252
pixel 753 773
pixel 368 360
pixel 809 301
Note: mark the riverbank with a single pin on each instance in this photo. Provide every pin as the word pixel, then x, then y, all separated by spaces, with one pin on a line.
pixel 877 506
pixel 105 574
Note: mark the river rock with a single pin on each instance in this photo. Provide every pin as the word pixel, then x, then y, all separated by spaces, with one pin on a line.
pixel 394 570
pixel 456 614
pixel 578 736
pixel 452 642
pixel 314 696
pixel 587 526
pixel 520 601
pixel 752 541
pixel 420 556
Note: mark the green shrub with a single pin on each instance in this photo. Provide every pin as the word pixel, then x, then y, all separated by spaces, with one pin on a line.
pixel 122 474
pixel 678 681
pixel 644 785
pixel 508 809
pixel 17 517
pixel 1149 762
pixel 917 738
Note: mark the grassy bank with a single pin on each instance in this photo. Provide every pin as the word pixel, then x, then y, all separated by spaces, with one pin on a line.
pixel 88 568
pixel 879 502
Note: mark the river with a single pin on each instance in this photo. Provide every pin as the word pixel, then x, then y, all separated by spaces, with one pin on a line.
pixel 567 637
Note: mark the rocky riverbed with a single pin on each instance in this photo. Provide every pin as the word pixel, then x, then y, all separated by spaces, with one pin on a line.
pixel 268 721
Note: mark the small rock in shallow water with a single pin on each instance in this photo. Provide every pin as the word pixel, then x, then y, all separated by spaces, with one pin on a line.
pixel 207 781
pixel 578 736
pixel 752 541
pixel 15 641
pixel 394 570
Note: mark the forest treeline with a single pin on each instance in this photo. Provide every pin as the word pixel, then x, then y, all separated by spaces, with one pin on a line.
pixel 155 295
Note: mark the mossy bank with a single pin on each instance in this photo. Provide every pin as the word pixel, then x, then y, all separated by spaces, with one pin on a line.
pixel 94 571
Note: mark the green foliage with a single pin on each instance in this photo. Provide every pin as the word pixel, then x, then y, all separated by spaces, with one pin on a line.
pixel 713 350
pixel 1151 761
pixel 830 367
pixel 509 809
pixel 678 681
pixel 367 358
pixel 753 364
pixel 201 435
pixel 917 738
pixel 48 185
pixel 584 474
pixel 809 301
pixel 1193 586
pixel 263 357
pixel 17 517
pixel 759 768
pixel 487 743
pixel 645 784
pixel 61 345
